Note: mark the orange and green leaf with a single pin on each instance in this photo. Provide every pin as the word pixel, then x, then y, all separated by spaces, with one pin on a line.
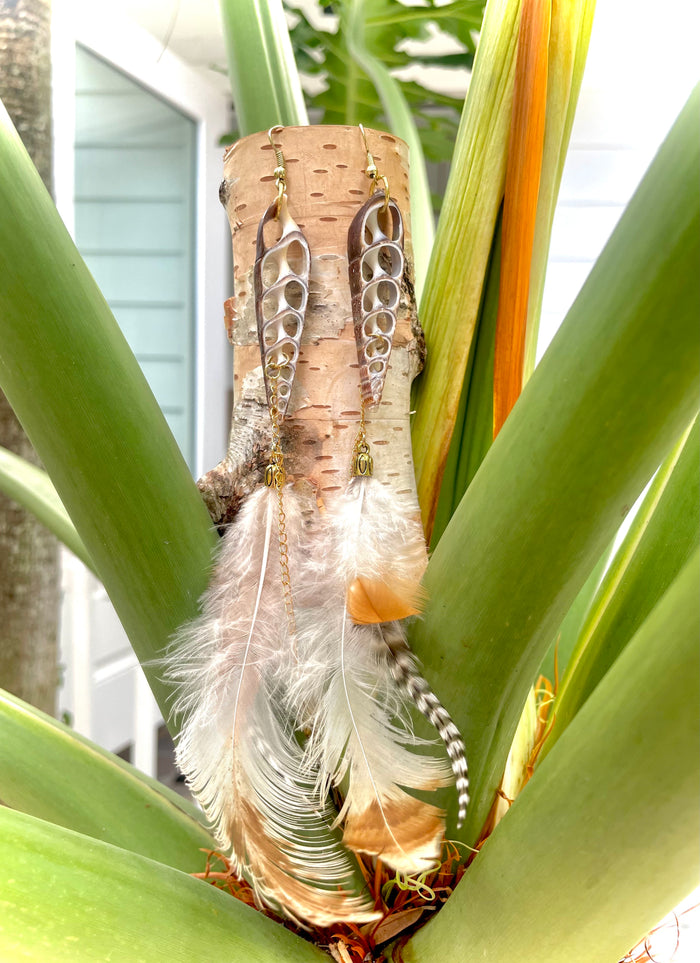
pixel 523 171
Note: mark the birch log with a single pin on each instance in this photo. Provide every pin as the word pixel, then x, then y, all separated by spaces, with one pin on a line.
pixel 326 186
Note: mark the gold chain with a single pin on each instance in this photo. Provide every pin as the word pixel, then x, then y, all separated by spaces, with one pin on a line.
pixel 275 477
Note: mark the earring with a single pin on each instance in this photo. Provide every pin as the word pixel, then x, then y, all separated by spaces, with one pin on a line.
pixel 281 285
pixel 386 592
pixel 354 702
pixel 281 282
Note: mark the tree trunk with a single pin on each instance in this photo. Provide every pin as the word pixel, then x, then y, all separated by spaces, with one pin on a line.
pixel 29 573
pixel 326 185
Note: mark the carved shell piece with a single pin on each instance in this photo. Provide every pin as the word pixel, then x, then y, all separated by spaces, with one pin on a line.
pixel 376 263
pixel 281 278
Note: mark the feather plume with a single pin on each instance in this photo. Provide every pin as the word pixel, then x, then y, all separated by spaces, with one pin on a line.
pixel 361 740
pixel 237 746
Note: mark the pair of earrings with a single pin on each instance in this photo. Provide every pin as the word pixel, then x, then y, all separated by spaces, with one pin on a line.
pixel 375 597
pixel 282 718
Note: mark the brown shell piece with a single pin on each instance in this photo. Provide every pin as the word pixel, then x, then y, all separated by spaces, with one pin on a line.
pixel 281 278
pixel 376 264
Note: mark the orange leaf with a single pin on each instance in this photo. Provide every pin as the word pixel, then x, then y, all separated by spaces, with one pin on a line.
pixel 520 204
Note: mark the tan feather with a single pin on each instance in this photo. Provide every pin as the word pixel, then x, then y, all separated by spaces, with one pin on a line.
pixel 412 843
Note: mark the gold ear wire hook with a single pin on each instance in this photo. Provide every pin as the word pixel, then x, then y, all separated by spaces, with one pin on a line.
pixel 373 173
pixel 371 169
pixel 280 171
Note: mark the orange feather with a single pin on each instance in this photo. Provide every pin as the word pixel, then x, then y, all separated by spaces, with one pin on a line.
pixel 370 601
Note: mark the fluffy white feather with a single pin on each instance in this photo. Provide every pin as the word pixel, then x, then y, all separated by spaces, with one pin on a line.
pixel 237 747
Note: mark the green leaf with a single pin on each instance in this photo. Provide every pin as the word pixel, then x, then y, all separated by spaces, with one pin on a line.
pixel 569 631
pixel 49 771
pixel 603 840
pixel 473 431
pixel 613 392
pixel 263 76
pixel 663 535
pixel 32 489
pixel 352 94
pixel 451 311
pixel 75 385
pixel 70 899
pixel 450 306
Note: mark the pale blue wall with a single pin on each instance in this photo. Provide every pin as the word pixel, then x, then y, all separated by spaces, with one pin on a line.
pixel 135 172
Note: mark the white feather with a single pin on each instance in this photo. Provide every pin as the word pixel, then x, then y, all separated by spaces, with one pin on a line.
pixel 378 532
pixel 345 691
pixel 237 747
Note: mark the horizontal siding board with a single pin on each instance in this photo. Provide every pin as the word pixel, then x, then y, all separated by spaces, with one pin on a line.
pixel 125 119
pixel 582 232
pixel 179 424
pixel 168 381
pixel 140 278
pixel 601 175
pixel 92 73
pixel 152 226
pixel 155 173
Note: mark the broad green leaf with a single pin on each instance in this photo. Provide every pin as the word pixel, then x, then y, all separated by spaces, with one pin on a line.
pixel 552 667
pixel 569 631
pixel 75 385
pixel 603 840
pixel 663 535
pixel 49 771
pixel 463 244
pixel 262 73
pixel 615 389
pixel 32 489
pixel 71 899
pixel 401 123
